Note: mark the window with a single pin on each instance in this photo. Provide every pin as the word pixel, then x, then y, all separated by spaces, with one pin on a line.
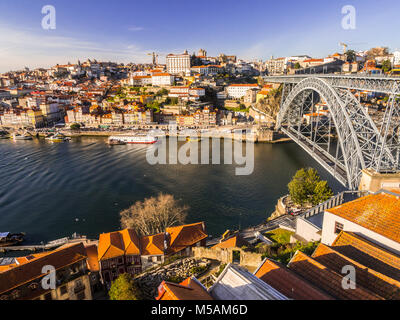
pixel 63 289
pixel 338 227
pixel 47 296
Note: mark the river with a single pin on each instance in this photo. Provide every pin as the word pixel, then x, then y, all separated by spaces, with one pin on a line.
pixel 50 190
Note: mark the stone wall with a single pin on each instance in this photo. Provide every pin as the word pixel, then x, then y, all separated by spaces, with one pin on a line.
pixel 149 281
pixel 248 259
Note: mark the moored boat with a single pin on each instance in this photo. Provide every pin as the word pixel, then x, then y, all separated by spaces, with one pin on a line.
pixel 11 239
pixel 17 136
pixel 114 142
pixel 58 137
pixel 137 139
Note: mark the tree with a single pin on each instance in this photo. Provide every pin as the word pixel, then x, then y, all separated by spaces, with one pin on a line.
pixel 123 288
pixel 75 126
pixel 154 214
pixel 307 187
pixel 386 66
pixel 297 65
pixel 350 56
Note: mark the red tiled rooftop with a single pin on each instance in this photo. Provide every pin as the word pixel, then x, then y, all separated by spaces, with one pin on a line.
pixel 288 283
pixel 326 279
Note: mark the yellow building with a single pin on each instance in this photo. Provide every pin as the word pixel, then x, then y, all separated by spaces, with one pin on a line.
pixel 36 118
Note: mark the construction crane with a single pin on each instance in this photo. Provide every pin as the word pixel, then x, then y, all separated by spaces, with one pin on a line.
pixel 344 45
pixel 155 58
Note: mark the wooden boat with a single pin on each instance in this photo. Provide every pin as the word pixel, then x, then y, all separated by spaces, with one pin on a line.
pixel 8 239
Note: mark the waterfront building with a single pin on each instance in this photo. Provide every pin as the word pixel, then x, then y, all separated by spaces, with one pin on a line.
pixel 125 252
pixel 178 63
pixel 22 280
pixel 118 253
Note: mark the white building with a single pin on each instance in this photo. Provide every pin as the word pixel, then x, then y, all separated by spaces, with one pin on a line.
pixel 237 91
pixel 162 79
pixel 396 55
pixel 236 283
pixel 276 66
pixel 374 217
pixel 178 63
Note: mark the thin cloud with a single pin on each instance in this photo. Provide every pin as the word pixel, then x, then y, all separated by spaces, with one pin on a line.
pixel 134 29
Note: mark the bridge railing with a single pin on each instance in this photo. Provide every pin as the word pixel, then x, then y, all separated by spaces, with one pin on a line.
pixel 335 201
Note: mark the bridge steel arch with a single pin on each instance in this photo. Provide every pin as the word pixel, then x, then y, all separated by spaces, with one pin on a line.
pixel 359 142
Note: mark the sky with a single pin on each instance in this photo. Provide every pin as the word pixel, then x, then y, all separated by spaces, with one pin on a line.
pixel 126 30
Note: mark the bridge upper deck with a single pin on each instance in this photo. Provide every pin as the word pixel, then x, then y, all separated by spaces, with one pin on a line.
pixel 373 83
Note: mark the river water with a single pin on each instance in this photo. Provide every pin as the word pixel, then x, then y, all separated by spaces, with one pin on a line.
pixel 50 190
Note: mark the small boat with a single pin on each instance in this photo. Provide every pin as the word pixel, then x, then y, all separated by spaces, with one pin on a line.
pixel 58 137
pixel 114 142
pixel 11 239
pixel 17 136
pixel 138 139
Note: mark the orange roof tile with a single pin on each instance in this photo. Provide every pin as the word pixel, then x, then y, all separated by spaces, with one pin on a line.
pixel 379 213
pixel 288 283
pixel 31 270
pixel 368 254
pixel 110 245
pixel 190 289
pixel 233 242
pixel 152 245
pixel 131 242
pixel 185 236
pixel 326 279
pixel 93 261
pixel 370 279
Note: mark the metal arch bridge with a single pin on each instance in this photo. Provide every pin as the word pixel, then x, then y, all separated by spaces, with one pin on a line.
pixel 323 114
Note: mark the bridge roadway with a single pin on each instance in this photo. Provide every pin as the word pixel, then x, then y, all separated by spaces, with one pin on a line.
pixel 325 160
pixel 373 83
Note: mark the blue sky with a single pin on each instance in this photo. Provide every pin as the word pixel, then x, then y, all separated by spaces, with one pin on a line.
pixel 125 31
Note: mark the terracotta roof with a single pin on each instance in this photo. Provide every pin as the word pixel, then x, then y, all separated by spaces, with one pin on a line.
pixel 27 272
pixel 190 289
pixel 93 261
pixel 111 245
pixel 370 279
pixel 288 283
pixel 379 213
pixel 326 279
pixel 233 242
pixel 131 242
pixel 368 254
pixel 184 236
pixel 152 245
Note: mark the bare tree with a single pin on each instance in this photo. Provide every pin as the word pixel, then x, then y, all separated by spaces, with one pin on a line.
pixel 154 215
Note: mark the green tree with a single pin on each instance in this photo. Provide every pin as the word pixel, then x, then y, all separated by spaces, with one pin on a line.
pixel 123 288
pixel 307 187
pixel 386 66
pixel 350 55
pixel 297 65
pixel 75 126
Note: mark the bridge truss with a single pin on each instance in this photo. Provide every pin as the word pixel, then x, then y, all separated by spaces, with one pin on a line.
pixel 323 115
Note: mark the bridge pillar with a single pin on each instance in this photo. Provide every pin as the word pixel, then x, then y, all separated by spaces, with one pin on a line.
pixel 374 181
